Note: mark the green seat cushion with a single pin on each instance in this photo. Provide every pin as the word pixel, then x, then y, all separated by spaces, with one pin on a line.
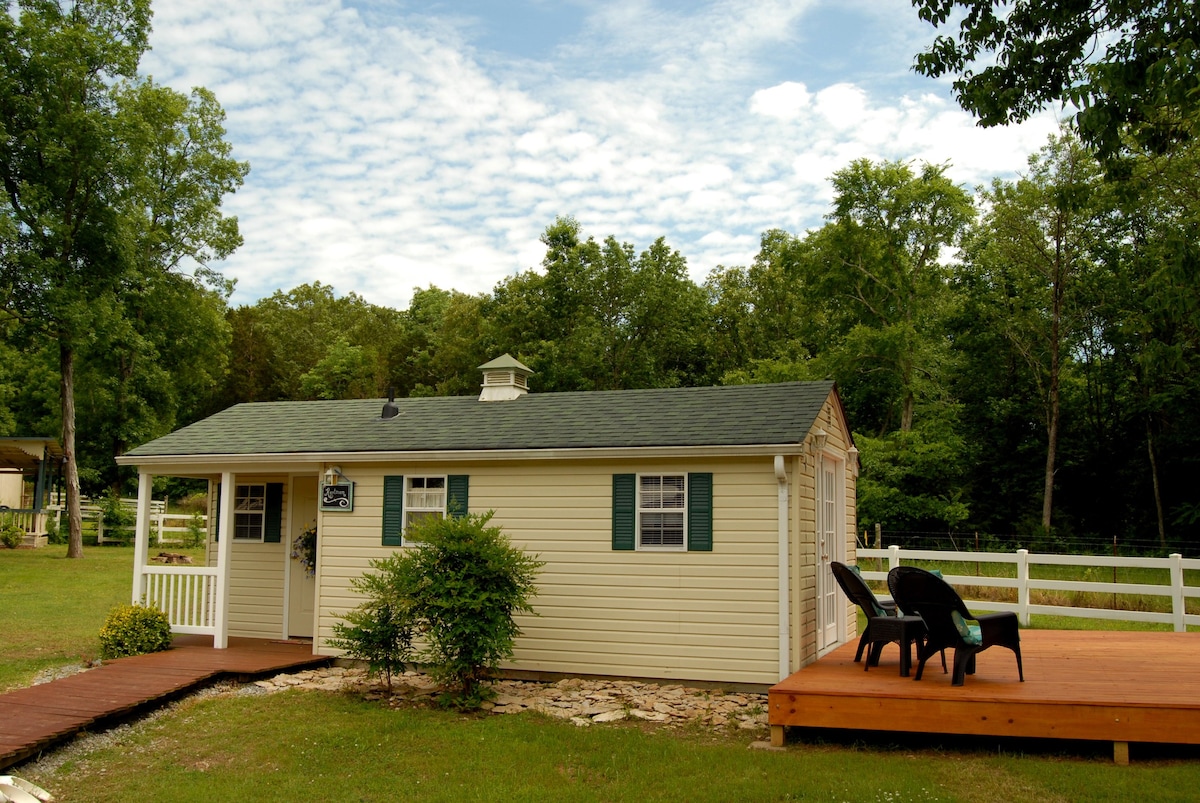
pixel 970 633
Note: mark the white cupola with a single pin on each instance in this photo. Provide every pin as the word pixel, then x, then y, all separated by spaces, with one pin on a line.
pixel 504 379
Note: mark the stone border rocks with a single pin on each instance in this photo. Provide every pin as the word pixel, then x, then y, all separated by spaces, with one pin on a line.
pixel 582 701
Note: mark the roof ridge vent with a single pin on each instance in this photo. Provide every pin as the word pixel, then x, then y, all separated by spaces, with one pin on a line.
pixel 504 379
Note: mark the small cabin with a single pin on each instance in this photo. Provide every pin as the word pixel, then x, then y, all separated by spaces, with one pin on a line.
pixel 686 532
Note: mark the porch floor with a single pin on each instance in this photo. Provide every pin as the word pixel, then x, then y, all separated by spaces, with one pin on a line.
pixel 1113 686
pixel 37 717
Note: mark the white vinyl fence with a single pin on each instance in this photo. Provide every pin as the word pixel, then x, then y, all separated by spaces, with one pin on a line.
pixel 168 528
pixel 1175 565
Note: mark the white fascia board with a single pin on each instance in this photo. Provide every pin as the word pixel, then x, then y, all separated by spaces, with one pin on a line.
pixel 311 460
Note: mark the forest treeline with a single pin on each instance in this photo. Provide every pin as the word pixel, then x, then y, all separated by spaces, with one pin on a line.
pixel 1020 360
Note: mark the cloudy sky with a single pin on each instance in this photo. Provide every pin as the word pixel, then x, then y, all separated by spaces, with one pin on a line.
pixel 399 144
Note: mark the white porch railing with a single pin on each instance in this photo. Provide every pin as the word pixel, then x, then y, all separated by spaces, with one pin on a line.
pixel 187 594
pixel 33 522
pixel 1175 590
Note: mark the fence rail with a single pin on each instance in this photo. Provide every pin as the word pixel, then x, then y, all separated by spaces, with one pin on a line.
pixel 188 595
pixel 1176 590
pixel 168 528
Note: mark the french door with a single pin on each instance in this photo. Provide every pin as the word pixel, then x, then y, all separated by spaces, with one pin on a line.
pixel 831 546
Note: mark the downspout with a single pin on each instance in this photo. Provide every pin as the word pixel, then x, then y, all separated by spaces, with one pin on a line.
pixel 785 647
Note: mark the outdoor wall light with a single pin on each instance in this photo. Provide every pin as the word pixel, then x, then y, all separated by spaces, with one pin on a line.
pixel 816 445
pixel 334 475
pixel 852 460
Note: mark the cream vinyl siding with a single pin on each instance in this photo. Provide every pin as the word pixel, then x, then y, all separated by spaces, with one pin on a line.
pixel 803 535
pixel 256 572
pixel 679 615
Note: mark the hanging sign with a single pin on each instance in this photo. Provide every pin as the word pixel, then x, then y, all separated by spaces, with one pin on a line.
pixel 337 498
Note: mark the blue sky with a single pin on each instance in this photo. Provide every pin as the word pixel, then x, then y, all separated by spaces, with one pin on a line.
pixel 396 144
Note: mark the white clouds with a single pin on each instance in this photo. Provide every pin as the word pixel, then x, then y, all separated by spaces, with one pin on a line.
pixel 387 152
pixel 844 107
pixel 785 101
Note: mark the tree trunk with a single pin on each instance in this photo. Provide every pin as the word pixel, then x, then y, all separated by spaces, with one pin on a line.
pixel 1052 415
pixel 66 361
pixel 1158 505
pixel 1057 288
pixel 1051 453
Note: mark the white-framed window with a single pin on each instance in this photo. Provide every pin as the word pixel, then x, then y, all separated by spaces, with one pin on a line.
pixel 249 512
pixel 424 497
pixel 661 510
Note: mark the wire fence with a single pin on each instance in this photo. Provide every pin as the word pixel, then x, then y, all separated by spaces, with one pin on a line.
pixel 980 541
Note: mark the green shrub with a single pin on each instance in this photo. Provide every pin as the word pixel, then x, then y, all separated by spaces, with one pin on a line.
pixel 197 531
pixel 119 521
pixel 195 503
pixel 134 630
pixel 11 535
pixel 379 631
pixel 456 591
pixel 54 533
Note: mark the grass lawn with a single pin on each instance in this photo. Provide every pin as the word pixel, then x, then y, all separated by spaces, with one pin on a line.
pixel 319 745
pixel 322 746
pixel 51 608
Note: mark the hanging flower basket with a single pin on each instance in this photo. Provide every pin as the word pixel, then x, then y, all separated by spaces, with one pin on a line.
pixel 304 549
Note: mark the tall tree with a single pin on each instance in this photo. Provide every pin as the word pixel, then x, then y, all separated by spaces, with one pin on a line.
pixel 878 273
pixel 1033 249
pixel 601 316
pixel 98 167
pixel 1131 67
pixel 153 364
pixel 281 339
pixel 1153 328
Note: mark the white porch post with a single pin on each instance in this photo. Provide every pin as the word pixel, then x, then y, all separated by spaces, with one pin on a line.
pixel 224 547
pixel 141 540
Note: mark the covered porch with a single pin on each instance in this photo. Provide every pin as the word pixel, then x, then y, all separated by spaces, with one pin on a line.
pixel 28 467
pixel 1115 686
pixel 250 586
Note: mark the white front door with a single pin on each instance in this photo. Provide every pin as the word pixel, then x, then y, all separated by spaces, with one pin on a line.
pixel 830 547
pixel 302 588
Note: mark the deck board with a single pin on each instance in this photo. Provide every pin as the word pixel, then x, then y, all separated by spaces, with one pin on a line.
pixel 37 717
pixel 1091 685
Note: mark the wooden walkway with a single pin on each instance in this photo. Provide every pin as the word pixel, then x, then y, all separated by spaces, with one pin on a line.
pixel 1113 686
pixel 37 717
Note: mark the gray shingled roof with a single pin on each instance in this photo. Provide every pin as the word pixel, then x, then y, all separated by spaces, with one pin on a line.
pixel 734 415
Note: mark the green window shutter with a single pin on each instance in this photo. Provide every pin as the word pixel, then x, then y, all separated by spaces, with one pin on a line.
pixel 699 502
pixel 393 510
pixel 216 531
pixel 457 487
pixel 273 515
pixel 624 511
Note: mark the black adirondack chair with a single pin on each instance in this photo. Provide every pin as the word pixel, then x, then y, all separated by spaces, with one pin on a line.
pixel 948 623
pixel 858 592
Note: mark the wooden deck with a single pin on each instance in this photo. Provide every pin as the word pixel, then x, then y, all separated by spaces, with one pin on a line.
pixel 38 717
pixel 1121 687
